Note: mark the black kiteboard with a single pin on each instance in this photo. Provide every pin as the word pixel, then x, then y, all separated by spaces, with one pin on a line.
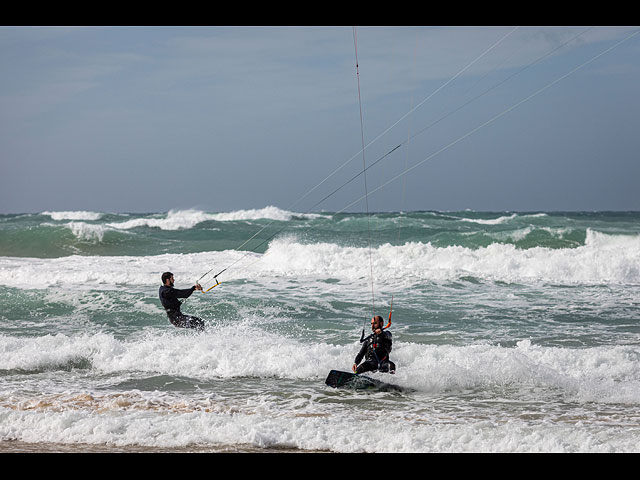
pixel 338 379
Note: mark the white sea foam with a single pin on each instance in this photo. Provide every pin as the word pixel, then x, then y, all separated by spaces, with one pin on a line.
pixel 522 233
pixel 74 215
pixel 311 430
pixel 269 212
pixel 604 259
pixel 608 375
pixel 499 220
pixel 87 231
pixel 605 374
pixel 235 351
pixel 512 235
pixel 185 219
pixel 106 272
pixel 173 220
pixel 493 221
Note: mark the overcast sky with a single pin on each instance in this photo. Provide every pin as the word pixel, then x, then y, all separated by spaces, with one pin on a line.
pixel 147 119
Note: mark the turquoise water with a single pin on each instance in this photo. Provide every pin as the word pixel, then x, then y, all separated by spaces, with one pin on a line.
pixel 514 331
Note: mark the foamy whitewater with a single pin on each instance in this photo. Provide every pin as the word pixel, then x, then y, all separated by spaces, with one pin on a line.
pixel 513 331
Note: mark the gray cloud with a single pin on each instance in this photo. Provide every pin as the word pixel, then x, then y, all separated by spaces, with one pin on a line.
pixel 258 115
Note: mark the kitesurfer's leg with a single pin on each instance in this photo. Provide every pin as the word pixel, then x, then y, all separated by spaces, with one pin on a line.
pixel 368 366
pixel 195 322
pixel 186 321
pixel 387 366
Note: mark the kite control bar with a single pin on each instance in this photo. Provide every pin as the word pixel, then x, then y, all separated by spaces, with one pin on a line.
pixel 217 283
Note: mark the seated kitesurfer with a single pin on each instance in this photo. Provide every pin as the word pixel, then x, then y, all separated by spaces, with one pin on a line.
pixel 169 297
pixel 376 349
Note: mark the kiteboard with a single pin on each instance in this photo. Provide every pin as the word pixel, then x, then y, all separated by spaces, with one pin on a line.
pixel 339 379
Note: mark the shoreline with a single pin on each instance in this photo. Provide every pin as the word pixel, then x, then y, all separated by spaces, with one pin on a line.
pixel 18 446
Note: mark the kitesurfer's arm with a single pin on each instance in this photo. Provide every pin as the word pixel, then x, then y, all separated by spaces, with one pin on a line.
pixel 186 292
pixel 361 353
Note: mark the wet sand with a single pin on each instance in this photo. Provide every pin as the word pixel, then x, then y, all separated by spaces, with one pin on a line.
pixel 16 446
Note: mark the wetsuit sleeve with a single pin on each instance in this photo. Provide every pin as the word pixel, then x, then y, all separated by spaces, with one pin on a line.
pixel 361 353
pixel 184 293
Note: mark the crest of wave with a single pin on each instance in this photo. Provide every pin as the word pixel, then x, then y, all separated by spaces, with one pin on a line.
pixel 185 219
pixel 87 232
pixel 74 215
pixel 269 213
pixel 603 259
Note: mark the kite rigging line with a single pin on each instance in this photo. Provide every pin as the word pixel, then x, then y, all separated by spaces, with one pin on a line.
pixel 290 208
pixel 496 117
pixel 364 172
pixel 407 170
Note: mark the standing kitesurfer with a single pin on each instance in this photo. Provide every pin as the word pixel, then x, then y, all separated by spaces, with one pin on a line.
pixel 377 348
pixel 169 297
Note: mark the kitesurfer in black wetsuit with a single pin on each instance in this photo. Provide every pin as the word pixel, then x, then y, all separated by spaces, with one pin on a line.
pixel 169 297
pixel 376 349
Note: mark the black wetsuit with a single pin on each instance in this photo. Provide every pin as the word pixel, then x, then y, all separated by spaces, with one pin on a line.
pixel 169 297
pixel 377 349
